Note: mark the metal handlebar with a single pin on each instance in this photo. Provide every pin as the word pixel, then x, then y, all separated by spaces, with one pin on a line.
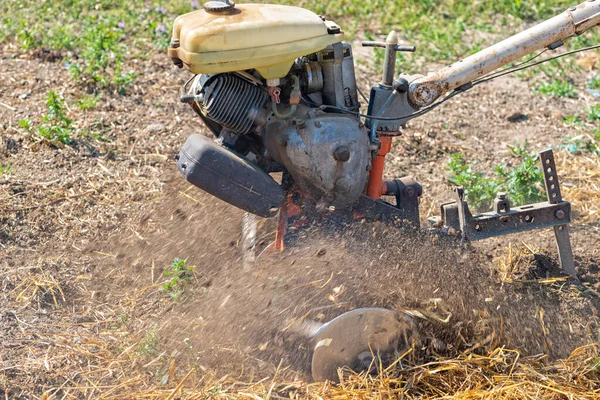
pixel 424 91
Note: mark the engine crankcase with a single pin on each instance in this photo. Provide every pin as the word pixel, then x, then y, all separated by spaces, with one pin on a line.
pixel 328 155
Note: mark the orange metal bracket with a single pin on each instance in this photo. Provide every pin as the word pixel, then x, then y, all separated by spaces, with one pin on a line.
pixel 376 187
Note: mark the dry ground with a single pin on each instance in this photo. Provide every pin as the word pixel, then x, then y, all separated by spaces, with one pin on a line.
pixel 87 229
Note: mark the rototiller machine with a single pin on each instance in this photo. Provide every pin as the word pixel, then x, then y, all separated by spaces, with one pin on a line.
pixel 276 86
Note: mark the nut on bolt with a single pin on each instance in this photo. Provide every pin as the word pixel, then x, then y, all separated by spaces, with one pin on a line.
pixel 560 214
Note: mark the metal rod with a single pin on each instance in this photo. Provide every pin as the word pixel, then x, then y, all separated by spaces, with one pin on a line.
pixel 426 90
pixel 389 64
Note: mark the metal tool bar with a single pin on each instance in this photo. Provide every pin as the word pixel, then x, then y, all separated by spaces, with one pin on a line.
pixel 519 219
pixel 561 232
pixel 504 220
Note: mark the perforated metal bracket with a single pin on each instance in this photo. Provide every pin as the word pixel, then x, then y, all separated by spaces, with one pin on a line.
pixel 554 213
pixel 561 232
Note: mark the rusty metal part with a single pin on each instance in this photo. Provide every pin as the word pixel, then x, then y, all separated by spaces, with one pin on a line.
pixel 406 213
pixel 426 90
pixel 561 232
pixel 518 219
pixel 359 339
pixel 555 213
pixel 295 97
pixel 274 92
pixel 306 150
pixel 501 203
pixel 407 192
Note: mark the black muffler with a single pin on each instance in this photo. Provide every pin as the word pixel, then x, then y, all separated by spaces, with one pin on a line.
pixel 229 177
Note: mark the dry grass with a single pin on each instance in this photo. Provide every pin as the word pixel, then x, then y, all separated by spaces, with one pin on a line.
pixel 580 177
pixel 502 374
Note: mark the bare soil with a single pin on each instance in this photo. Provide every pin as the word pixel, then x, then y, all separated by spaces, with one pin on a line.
pixel 87 229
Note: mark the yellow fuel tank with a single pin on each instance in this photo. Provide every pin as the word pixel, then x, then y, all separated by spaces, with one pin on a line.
pixel 264 37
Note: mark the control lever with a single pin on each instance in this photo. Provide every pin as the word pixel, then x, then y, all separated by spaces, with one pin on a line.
pixel 391 47
pixel 383 45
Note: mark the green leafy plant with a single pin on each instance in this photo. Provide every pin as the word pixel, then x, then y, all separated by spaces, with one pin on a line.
pixel 595 82
pixel 479 188
pixel 594 113
pixel 179 274
pixel 571 120
pixel 558 88
pixel 56 127
pixel 523 181
pixel 582 144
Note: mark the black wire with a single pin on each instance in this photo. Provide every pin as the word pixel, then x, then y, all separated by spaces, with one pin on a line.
pixel 413 115
pixel 545 60
pixel 492 75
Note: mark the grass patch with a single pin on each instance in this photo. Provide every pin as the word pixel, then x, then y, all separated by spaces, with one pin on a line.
pixel 558 88
pixel 98 39
pixel 104 35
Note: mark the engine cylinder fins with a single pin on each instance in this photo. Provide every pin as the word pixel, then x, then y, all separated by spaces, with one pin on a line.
pixel 229 177
pixel 232 102
pixel 361 340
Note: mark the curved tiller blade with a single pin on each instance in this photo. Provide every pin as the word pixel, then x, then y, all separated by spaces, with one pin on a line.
pixel 359 340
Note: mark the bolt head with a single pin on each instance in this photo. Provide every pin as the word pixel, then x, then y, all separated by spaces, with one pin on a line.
pixel 341 153
pixel 560 214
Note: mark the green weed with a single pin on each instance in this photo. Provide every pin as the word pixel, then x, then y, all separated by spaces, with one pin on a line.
pixel 595 82
pixel 88 102
pixel 571 120
pixel 521 181
pixel 179 274
pixel 479 188
pixel 558 88
pixel 594 113
pixel 149 344
pixel 6 169
pixel 581 144
pixel 56 128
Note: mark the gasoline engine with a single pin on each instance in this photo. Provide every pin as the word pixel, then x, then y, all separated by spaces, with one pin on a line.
pixel 276 86
pixel 278 125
